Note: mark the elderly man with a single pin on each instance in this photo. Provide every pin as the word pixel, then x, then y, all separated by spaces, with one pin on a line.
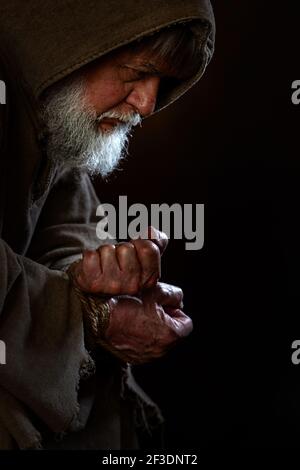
pixel 75 315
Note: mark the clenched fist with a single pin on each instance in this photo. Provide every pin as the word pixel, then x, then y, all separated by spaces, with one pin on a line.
pixel 124 268
pixel 145 328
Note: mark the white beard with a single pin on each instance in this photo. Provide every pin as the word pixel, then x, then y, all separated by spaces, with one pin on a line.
pixel 74 138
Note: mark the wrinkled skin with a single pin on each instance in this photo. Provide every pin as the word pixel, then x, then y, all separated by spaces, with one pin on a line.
pixel 146 319
pixel 124 268
pixel 145 328
pixel 146 323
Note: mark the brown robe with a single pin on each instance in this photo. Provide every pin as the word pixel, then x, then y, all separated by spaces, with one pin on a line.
pixel 53 394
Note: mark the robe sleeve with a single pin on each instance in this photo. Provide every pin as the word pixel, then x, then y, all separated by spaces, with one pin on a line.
pixel 40 314
pixel 42 328
pixel 42 325
pixel 67 223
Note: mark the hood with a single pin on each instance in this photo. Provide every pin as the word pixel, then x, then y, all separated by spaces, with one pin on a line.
pixel 49 39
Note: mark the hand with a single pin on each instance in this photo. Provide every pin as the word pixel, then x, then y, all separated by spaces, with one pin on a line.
pixel 125 268
pixel 145 328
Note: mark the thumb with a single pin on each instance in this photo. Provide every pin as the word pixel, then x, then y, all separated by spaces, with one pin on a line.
pixel 158 238
pixel 165 295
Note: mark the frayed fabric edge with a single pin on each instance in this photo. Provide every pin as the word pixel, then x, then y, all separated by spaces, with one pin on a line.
pixel 87 370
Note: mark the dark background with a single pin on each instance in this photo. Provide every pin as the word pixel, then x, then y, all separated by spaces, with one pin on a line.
pixel 232 144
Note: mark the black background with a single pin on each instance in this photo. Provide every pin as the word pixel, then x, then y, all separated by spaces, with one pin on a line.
pixel 230 143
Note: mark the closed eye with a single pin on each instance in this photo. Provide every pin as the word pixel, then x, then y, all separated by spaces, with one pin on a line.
pixel 132 75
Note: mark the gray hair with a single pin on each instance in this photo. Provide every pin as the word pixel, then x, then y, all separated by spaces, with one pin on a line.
pixel 177 45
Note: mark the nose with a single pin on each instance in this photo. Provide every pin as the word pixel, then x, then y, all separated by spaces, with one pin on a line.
pixel 143 95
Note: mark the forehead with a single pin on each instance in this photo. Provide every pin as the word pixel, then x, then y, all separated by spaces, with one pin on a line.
pixel 141 58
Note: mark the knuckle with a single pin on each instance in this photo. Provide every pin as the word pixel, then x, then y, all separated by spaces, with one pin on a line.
pixel 107 249
pixel 125 248
pixel 149 249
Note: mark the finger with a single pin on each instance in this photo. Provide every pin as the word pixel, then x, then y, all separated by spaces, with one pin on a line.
pixel 148 256
pixel 88 269
pixel 131 270
pixel 110 268
pixel 166 295
pixel 182 323
pixel 159 238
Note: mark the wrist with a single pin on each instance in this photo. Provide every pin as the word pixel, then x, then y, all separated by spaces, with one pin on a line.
pixel 96 312
pixel 96 318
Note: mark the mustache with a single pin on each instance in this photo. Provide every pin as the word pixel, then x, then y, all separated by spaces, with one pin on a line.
pixel 131 119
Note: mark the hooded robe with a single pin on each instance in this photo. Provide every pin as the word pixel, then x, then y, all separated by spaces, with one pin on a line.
pixel 53 392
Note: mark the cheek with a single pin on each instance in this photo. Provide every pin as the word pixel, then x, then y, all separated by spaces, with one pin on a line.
pixel 106 95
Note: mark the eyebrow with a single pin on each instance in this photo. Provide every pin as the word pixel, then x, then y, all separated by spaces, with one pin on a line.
pixel 148 66
pixel 151 68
